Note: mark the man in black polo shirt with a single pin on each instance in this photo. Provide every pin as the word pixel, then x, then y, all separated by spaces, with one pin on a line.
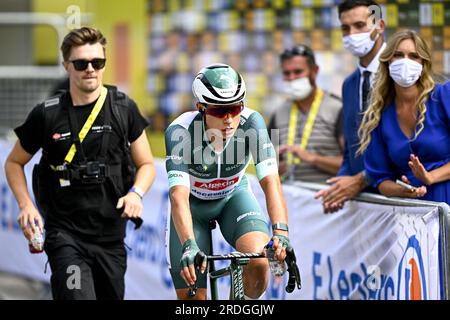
pixel 85 185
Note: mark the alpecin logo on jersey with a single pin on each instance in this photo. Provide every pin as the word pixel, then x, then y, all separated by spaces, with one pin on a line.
pixel 216 185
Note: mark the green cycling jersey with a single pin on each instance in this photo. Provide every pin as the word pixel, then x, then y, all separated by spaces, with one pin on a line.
pixel 191 160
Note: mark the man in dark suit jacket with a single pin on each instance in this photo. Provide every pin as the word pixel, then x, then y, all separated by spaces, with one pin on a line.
pixel 362 28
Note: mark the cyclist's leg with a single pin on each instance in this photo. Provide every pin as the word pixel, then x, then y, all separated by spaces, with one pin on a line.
pixel 202 212
pixel 244 226
pixel 256 275
pixel 200 231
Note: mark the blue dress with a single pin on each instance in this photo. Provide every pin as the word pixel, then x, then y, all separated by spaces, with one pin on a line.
pixel 388 153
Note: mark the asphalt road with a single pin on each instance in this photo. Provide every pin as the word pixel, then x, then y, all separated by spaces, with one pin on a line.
pixel 14 287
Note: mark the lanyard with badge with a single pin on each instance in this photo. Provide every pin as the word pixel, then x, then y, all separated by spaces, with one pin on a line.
pixel 81 135
pixel 306 130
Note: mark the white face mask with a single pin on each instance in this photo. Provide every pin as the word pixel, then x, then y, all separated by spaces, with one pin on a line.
pixel 405 72
pixel 298 88
pixel 359 44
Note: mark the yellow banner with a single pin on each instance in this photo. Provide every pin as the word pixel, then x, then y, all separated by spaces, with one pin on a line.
pixel 336 39
pixel 160 83
pixel 207 5
pixel 174 5
pixel 233 20
pixel 309 18
pixel 223 41
pixel 269 20
pixel 253 102
pixel 317 3
pixel 261 85
pixel 392 15
pixel 279 4
pixel 183 62
pixel 189 4
pixel 438 14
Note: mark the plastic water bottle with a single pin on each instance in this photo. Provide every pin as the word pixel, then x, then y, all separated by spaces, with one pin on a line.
pixel 277 268
pixel 36 244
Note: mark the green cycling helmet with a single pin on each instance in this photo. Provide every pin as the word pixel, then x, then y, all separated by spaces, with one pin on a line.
pixel 219 84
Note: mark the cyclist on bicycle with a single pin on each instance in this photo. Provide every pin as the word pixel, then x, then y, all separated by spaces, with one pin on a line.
pixel 208 152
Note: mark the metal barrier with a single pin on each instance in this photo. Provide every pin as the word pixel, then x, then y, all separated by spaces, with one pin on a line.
pixel 444 230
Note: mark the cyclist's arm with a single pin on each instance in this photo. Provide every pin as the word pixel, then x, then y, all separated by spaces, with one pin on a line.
pixel 276 207
pixel 178 148
pixel 276 204
pixel 182 219
pixel 181 213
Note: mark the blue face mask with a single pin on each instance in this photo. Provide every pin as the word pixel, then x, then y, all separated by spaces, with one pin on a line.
pixel 405 72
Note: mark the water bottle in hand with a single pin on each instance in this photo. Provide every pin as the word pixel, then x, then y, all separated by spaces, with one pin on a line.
pixel 276 267
pixel 36 244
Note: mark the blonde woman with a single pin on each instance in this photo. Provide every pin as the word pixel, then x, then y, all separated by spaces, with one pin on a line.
pixel 406 129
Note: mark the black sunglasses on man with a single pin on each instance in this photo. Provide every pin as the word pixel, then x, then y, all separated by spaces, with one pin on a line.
pixel 82 64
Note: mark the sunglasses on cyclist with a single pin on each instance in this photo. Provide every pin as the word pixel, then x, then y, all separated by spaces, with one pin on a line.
pixel 81 64
pixel 221 112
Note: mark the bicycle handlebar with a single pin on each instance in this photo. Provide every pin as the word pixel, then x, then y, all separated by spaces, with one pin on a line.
pixel 291 261
pixel 200 257
pixel 230 256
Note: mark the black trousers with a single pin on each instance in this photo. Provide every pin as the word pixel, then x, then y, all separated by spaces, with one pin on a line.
pixel 85 271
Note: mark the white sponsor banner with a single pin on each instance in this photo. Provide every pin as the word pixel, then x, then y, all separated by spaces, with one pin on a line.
pixel 365 251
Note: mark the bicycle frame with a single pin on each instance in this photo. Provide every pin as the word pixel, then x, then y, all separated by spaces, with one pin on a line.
pixel 235 270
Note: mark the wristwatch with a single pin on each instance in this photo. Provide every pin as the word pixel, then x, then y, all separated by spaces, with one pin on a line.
pixel 366 180
pixel 137 190
pixel 280 226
